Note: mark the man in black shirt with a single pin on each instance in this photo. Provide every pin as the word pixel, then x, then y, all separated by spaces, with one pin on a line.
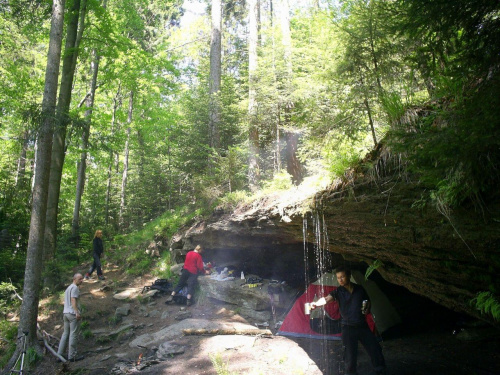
pixel 350 298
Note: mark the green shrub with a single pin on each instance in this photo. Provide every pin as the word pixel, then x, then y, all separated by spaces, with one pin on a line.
pixel 162 269
pixel 54 275
pixel 139 263
pixel 280 181
pixel 32 357
pixel 8 299
pixel 8 331
pixel 340 156
pixel 231 200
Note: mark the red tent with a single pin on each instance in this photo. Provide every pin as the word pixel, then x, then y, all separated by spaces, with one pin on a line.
pixel 298 324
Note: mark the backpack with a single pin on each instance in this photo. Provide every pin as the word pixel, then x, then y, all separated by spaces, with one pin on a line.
pixel 163 285
pixel 181 297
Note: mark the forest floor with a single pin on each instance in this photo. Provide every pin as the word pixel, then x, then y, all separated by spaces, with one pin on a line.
pixel 424 344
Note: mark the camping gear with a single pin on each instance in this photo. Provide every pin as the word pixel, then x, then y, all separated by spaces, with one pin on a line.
pixel 324 323
pixel 163 285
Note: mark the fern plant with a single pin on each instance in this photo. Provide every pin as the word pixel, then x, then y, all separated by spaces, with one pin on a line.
pixel 488 304
pixel 376 264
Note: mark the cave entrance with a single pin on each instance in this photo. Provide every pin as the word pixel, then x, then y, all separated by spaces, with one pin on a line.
pixel 289 263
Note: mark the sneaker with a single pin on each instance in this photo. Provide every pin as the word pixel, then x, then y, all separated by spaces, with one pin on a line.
pixel 87 276
pixel 189 302
pixel 169 299
pixel 102 278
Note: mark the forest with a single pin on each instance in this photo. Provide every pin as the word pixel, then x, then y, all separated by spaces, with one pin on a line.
pixel 135 116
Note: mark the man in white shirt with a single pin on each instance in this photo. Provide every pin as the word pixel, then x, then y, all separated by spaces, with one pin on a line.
pixel 71 317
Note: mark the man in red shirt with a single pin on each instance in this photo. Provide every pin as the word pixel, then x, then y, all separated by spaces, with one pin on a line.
pixel 193 266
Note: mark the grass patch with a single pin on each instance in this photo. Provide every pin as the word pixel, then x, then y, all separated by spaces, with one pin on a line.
pixel 87 334
pixel 103 339
pixel 8 331
pixel 220 367
pixel 114 320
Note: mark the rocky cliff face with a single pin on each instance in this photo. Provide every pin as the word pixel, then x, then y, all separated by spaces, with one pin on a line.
pixel 447 256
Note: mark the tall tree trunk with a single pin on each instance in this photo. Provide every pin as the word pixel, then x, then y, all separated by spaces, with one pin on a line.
pixel 259 25
pixel 277 151
pixel 286 39
pixel 170 178
pixel 125 161
pixel 369 112
pixel 253 133
pixel 370 119
pixel 215 74
pixel 34 257
pixel 21 163
pixel 73 37
pixel 293 167
pixel 82 164
pixel 271 12
pixel 116 104
pixel 371 28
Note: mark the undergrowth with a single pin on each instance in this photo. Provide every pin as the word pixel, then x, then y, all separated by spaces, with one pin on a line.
pixel 129 249
pixel 453 144
pixel 8 332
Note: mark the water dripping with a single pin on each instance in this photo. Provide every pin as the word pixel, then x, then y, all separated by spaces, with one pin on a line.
pixel 306 258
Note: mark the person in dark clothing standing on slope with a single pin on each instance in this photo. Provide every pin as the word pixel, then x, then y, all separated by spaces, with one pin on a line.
pixel 353 322
pixel 193 266
pixel 98 250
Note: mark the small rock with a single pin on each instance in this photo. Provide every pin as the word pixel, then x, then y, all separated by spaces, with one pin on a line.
pixel 168 349
pixel 121 329
pixel 102 349
pixel 151 293
pixel 183 315
pixel 126 294
pixel 123 310
pixel 176 268
pixel 154 314
pixel 165 315
pixel 105 358
pixel 126 336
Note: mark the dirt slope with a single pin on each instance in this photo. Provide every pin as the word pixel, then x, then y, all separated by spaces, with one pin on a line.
pixel 423 346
